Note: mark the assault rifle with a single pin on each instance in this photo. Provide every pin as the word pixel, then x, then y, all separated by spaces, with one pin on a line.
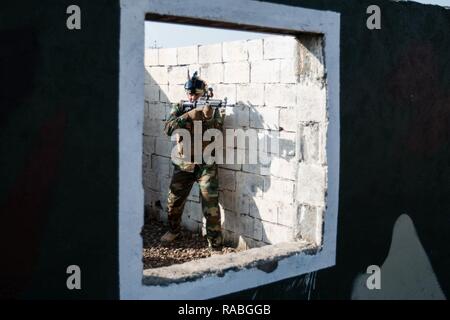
pixel 205 100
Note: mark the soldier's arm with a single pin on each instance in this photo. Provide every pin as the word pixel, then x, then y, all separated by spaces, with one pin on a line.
pixel 175 120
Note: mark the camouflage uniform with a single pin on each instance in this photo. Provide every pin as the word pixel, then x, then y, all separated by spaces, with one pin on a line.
pixel 186 173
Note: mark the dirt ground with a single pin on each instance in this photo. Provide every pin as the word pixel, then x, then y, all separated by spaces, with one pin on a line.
pixel 187 247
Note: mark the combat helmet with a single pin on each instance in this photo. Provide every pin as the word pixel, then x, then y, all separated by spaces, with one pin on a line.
pixel 195 85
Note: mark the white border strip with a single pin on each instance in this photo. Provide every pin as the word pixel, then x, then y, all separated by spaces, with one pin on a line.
pixel 131 111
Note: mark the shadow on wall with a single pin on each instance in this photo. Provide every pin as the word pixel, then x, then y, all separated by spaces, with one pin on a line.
pixel 278 201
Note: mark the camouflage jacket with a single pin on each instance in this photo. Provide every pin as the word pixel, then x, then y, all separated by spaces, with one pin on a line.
pixel 175 121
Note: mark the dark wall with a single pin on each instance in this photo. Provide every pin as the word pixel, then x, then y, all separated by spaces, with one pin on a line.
pixel 59 163
pixel 395 156
pixel 58 146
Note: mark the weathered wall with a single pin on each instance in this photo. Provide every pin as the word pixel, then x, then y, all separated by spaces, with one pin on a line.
pixel 58 192
pixel 274 86
pixel 395 138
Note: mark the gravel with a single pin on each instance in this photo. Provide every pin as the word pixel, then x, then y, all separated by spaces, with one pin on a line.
pixel 187 247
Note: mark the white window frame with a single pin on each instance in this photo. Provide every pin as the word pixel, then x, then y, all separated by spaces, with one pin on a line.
pixel 131 110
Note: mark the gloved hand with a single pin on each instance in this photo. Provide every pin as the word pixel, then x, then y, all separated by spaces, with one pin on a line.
pixel 194 115
pixel 207 111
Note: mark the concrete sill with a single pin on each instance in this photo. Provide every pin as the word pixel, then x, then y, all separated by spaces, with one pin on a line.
pixel 265 258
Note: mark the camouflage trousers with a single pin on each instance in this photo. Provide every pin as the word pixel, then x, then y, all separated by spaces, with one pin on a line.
pixel 180 187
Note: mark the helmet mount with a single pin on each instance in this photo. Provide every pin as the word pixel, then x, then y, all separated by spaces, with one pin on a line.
pixel 195 85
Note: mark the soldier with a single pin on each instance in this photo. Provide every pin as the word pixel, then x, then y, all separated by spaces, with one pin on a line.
pixel 187 172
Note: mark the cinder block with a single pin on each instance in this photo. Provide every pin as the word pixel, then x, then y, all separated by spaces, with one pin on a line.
pixel 237 72
pixel 212 73
pixel 250 94
pixel 164 183
pixel 168 109
pixel 311 57
pixel 235 51
pixel 164 93
pixel 237 117
pixel 153 127
pixel 274 234
pixel 309 137
pixel 222 91
pixel 151 57
pixel 167 56
pixel 311 101
pixel 311 184
pixel 160 165
pixel 146 162
pixel 289 70
pixel 246 145
pixel 283 168
pixel 278 189
pixel 265 118
pixel 246 226
pixel 310 223
pixel 288 119
pixel 147 78
pixel 176 93
pixel 151 181
pixel 264 210
pixel 258 169
pixel 287 215
pixel 249 184
pixel 157 111
pixel 187 55
pixel 149 145
pixel 211 53
pixel 242 203
pixel 280 47
pixel 230 237
pixel 265 71
pixel 234 167
pixel 231 160
pixel 230 221
pixel 227 179
pixel 280 95
pixel 252 243
pixel 287 144
pixel 177 75
pixel 157 75
pixel 269 144
pixel 227 200
pixel 323 144
pixel 151 92
pixel 163 146
pixel 255 49
pixel 257 230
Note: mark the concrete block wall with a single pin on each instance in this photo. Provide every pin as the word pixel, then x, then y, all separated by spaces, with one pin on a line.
pixel 275 85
